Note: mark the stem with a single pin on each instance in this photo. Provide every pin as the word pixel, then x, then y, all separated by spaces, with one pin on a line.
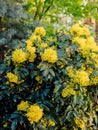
pixel 45 11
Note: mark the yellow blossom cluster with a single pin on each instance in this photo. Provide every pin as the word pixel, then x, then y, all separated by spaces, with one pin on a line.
pixel 70 71
pixel 68 91
pixel 33 39
pixel 79 40
pixel 23 106
pixel 12 77
pixel 43 45
pixel 86 52
pixel 95 57
pixel 31 54
pixel 94 80
pixel 86 43
pixel 40 31
pixel 39 79
pixel 48 122
pixel 5 124
pixel 81 77
pixel 82 37
pixel 34 113
pixel 51 122
pixel 78 30
pixel 80 123
pixel 49 55
pixel 19 56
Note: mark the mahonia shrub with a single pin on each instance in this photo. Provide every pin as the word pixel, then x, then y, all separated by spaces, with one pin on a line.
pixel 51 83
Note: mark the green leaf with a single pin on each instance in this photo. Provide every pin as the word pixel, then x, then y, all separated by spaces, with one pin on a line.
pixel 2 68
pixel 52 72
pixel 13 125
pixel 14 115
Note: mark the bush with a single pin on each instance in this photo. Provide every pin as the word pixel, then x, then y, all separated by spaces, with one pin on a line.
pixel 51 83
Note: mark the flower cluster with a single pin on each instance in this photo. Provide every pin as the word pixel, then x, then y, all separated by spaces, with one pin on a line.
pixel 31 55
pixel 33 39
pixel 49 55
pixel 40 31
pixel 23 106
pixel 82 37
pixel 39 79
pixel 70 71
pixel 43 45
pixel 78 30
pixel 85 43
pixel 79 123
pixel 82 78
pixel 51 122
pixel 68 91
pixel 94 80
pixel 48 122
pixel 19 56
pixel 12 77
pixel 34 113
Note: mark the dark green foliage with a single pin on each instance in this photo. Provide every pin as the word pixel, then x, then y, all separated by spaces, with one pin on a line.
pixel 48 94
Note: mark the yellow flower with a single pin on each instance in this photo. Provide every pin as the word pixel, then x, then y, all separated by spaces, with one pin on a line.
pixel 29 42
pixel 86 52
pixel 43 45
pixel 70 71
pixel 35 38
pixel 12 85
pixel 5 124
pixel 46 122
pixel 86 31
pixel 78 30
pixel 12 77
pixel 94 80
pixel 68 91
pixel 39 79
pixel 31 55
pixel 91 44
pixel 94 56
pixel 89 70
pixel 65 32
pixel 19 56
pixel 32 9
pixel 80 123
pixel 49 55
pixel 51 122
pixel 40 31
pixel 23 106
pixel 8 63
pixel 79 40
pixel 34 113
pixel 81 78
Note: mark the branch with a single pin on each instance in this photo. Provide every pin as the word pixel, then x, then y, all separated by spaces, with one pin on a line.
pixel 47 9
